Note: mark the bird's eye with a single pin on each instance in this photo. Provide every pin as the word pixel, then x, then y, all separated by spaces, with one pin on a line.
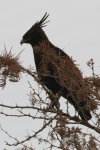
pixel 29 36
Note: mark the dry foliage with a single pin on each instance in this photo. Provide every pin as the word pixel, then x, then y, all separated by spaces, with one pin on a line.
pixel 64 132
pixel 70 77
pixel 9 68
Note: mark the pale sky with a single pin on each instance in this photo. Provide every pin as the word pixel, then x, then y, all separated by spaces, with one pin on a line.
pixel 74 27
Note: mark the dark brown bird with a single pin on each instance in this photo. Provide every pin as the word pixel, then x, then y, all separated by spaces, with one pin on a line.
pixel 34 36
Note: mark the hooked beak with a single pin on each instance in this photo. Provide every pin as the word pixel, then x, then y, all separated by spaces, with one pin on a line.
pixel 22 41
pixel 25 41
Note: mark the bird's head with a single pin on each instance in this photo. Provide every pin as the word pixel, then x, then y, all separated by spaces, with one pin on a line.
pixel 35 34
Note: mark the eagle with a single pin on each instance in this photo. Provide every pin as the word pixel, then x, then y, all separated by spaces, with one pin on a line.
pixel 36 35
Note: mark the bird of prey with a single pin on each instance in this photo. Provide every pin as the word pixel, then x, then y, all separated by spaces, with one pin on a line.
pixel 34 36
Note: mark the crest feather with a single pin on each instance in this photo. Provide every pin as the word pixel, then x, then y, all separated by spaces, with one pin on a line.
pixel 42 22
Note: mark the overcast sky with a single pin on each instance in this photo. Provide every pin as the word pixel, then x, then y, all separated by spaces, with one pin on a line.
pixel 74 27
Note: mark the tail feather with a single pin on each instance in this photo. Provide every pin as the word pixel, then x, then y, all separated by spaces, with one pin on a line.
pixel 80 108
pixel 85 114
